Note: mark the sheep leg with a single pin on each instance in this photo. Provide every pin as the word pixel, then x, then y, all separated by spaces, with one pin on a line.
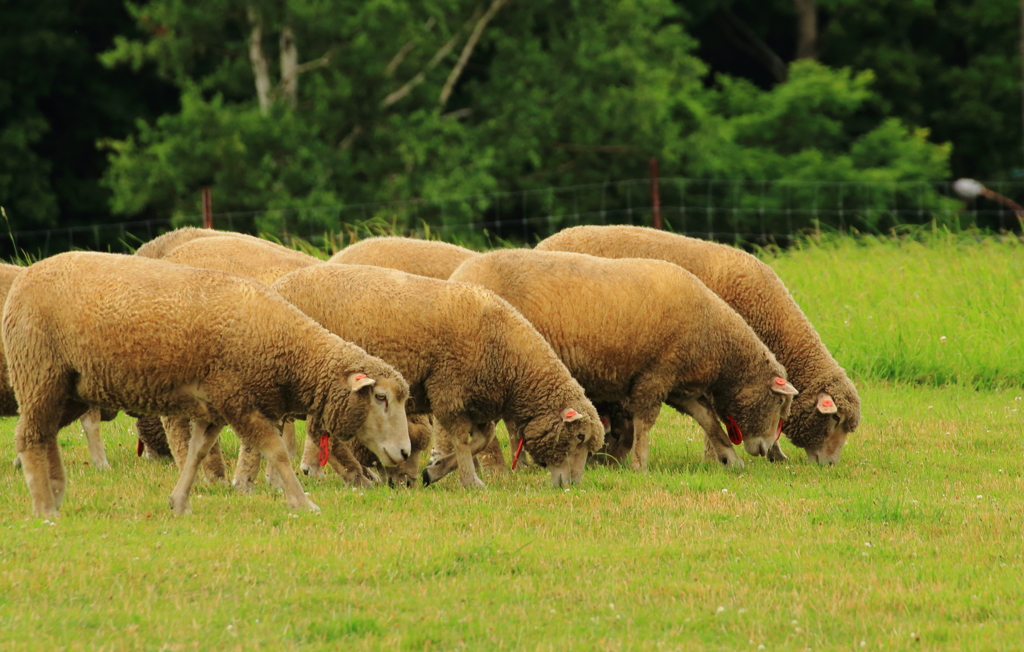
pixel 246 468
pixel 347 466
pixel 288 435
pixel 472 440
pixel 492 457
pixel 775 453
pixel 310 463
pixel 265 435
pixel 203 438
pixel 91 426
pixel 179 437
pixel 151 433
pixel 643 421
pixel 716 444
pixel 35 439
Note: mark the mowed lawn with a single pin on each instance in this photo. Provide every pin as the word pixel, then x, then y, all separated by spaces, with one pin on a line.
pixel 913 541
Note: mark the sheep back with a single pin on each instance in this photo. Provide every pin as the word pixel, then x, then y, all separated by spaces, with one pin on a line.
pixel 424 257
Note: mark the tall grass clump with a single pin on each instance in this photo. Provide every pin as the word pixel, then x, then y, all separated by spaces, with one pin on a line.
pixel 930 307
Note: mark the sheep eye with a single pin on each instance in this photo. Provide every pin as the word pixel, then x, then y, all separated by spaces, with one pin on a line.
pixel 380 397
pixel 581 437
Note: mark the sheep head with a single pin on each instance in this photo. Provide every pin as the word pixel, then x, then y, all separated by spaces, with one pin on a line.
pixel 823 416
pixel 369 406
pixel 755 416
pixel 561 441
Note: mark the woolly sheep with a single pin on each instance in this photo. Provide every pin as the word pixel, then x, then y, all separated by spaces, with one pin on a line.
pixel 596 312
pixel 131 333
pixel 424 257
pixel 828 407
pixel 427 258
pixel 9 404
pixel 468 356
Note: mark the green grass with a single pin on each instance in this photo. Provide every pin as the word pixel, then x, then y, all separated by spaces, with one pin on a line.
pixel 936 308
pixel 689 557
pixel 913 542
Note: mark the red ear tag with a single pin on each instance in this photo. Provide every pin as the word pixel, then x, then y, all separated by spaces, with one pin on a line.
pixel 780 381
pixel 570 414
pixel 325 450
pixel 778 433
pixel 827 403
pixel 515 458
pixel 359 376
pixel 140 448
pixel 733 428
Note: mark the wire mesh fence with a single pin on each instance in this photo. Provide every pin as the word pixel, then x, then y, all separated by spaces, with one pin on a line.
pixel 734 211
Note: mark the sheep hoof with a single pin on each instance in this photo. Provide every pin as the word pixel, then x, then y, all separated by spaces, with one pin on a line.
pixel 775 454
pixel 102 465
pixel 242 485
pixel 180 509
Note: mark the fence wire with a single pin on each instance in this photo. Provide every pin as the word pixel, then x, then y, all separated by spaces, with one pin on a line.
pixel 735 211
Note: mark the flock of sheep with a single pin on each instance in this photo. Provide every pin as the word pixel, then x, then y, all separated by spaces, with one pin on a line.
pixel 396 347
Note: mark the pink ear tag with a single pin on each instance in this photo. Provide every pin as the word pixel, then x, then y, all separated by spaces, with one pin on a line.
pixel 570 414
pixel 359 376
pixel 780 382
pixel 778 433
pixel 827 403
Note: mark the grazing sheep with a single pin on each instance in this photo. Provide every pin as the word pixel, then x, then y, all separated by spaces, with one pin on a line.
pixel 427 258
pixel 596 314
pixel 9 405
pixel 468 356
pixel 828 407
pixel 424 257
pixel 126 332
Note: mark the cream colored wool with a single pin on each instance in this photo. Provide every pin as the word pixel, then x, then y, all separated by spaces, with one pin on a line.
pixel 828 407
pixel 162 245
pixel 260 260
pixel 9 405
pixel 644 332
pixel 424 257
pixel 126 332
pixel 468 356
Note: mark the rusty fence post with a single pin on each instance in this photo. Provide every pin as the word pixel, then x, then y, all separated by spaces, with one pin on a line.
pixel 655 196
pixel 207 208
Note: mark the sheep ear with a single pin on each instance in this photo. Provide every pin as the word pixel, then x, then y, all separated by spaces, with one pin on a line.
pixel 358 381
pixel 569 414
pixel 780 386
pixel 826 405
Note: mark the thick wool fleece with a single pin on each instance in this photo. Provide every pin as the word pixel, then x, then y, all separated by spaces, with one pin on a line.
pixel 8 404
pixel 424 257
pixel 755 291
pixel 259 260
pixel 468 356
pixel 640 332
pixel 126 332
pixel 162 245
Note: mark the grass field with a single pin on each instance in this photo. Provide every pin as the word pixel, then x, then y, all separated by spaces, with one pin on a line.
pixel 913 542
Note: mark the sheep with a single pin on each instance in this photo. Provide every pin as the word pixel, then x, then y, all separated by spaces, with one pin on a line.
pixel 427 258
pixel 260 260
pixel 265 262
pixel 9 404
pixel 424 257
pixel 828 407
pixel 594 312
pixel 162 245
pixel 468 356
pixel 126 332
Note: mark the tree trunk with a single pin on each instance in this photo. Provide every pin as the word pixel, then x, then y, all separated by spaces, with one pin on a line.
pixel 807 29
pixel 260 70
pixel 289 67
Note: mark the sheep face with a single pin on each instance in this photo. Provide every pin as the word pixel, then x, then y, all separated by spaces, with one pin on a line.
pixel 823 417
pixel 759 413
pixel 376 409
pixel 562 442
pixel 407 472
